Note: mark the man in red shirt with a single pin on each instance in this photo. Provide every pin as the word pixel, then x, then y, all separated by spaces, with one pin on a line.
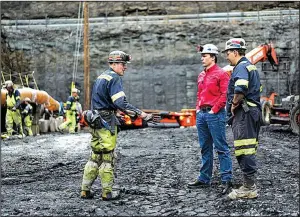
pixel 211 100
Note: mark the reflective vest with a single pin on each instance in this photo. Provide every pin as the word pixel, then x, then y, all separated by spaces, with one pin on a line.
pixel 11 101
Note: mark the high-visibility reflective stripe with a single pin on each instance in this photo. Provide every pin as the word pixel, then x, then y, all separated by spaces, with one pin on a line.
pixel 245 147
pixel 245 151
pixel 25 111
pixel 68 102
pixel 245 142
pixel 251 104
pixel 117 96
pixel 106 77
pixel 251 68
pixel 18 97
pixel 241 82
pixel 260 88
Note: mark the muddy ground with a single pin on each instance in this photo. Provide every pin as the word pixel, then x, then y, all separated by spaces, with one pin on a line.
pixel 41 176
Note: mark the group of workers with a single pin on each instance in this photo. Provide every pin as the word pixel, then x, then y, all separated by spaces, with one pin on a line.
pixel 20 112
pixel 221 99
pixel 234 100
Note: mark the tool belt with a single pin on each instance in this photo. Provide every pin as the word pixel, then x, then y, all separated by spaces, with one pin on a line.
pixel 205 109
pixel 103 119
pixel 106 114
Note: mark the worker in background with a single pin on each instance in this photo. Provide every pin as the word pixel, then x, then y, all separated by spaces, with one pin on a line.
pixel 13 114
pixel 70 112
pixel 27 116
pixel 107 97
pixel 210 120
pixel 244 112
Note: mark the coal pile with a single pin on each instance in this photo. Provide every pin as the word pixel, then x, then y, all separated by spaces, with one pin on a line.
pixel 41 176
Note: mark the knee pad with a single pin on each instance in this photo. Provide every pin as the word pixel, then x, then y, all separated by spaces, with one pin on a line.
pixel 97 158
pixel 108 160
pixel 106 166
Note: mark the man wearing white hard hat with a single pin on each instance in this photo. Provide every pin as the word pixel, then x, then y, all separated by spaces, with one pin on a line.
pixel 210 106
pixel 13 114
pixel 243 108
pixel 71 112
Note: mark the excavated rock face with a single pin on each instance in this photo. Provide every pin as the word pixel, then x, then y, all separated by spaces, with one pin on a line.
pixel 165 64
pixel 40 10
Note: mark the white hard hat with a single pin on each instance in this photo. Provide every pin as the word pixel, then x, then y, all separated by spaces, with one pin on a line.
pixel 209 48
pixel 8 83
pixel 235 43
pixel 27 99
pixel 75 90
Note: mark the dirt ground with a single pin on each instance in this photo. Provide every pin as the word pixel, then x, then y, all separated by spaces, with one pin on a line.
pixel 41 176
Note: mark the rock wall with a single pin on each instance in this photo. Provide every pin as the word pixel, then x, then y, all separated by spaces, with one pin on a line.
pixel 165 65
pixel 39 10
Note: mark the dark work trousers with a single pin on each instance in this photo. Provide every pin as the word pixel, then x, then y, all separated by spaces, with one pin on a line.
pixel 245 128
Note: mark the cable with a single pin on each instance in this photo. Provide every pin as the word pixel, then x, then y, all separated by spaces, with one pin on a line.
pixel 77 44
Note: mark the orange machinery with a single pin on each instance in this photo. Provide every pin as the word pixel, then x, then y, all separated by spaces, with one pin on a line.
pixel 37 96
pixel 287 111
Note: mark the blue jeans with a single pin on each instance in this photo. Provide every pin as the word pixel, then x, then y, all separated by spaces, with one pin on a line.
pixel 211 130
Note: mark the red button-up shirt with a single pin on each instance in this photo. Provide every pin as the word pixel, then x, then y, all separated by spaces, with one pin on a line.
pixel 212 88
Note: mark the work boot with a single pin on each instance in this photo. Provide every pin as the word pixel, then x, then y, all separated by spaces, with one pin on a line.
pixel 226 187
pixel 198 184
pixel 114 195
pixel 87 195
pixel 21 136
pixel 4 136
pixel 244 192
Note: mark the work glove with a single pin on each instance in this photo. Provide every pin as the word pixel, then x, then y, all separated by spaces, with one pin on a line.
pixel 151 118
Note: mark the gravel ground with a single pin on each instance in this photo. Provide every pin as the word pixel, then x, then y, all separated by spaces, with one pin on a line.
pixel 41 176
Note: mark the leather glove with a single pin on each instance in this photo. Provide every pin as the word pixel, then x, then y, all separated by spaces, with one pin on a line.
pixel 148 117
pixel 151 118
